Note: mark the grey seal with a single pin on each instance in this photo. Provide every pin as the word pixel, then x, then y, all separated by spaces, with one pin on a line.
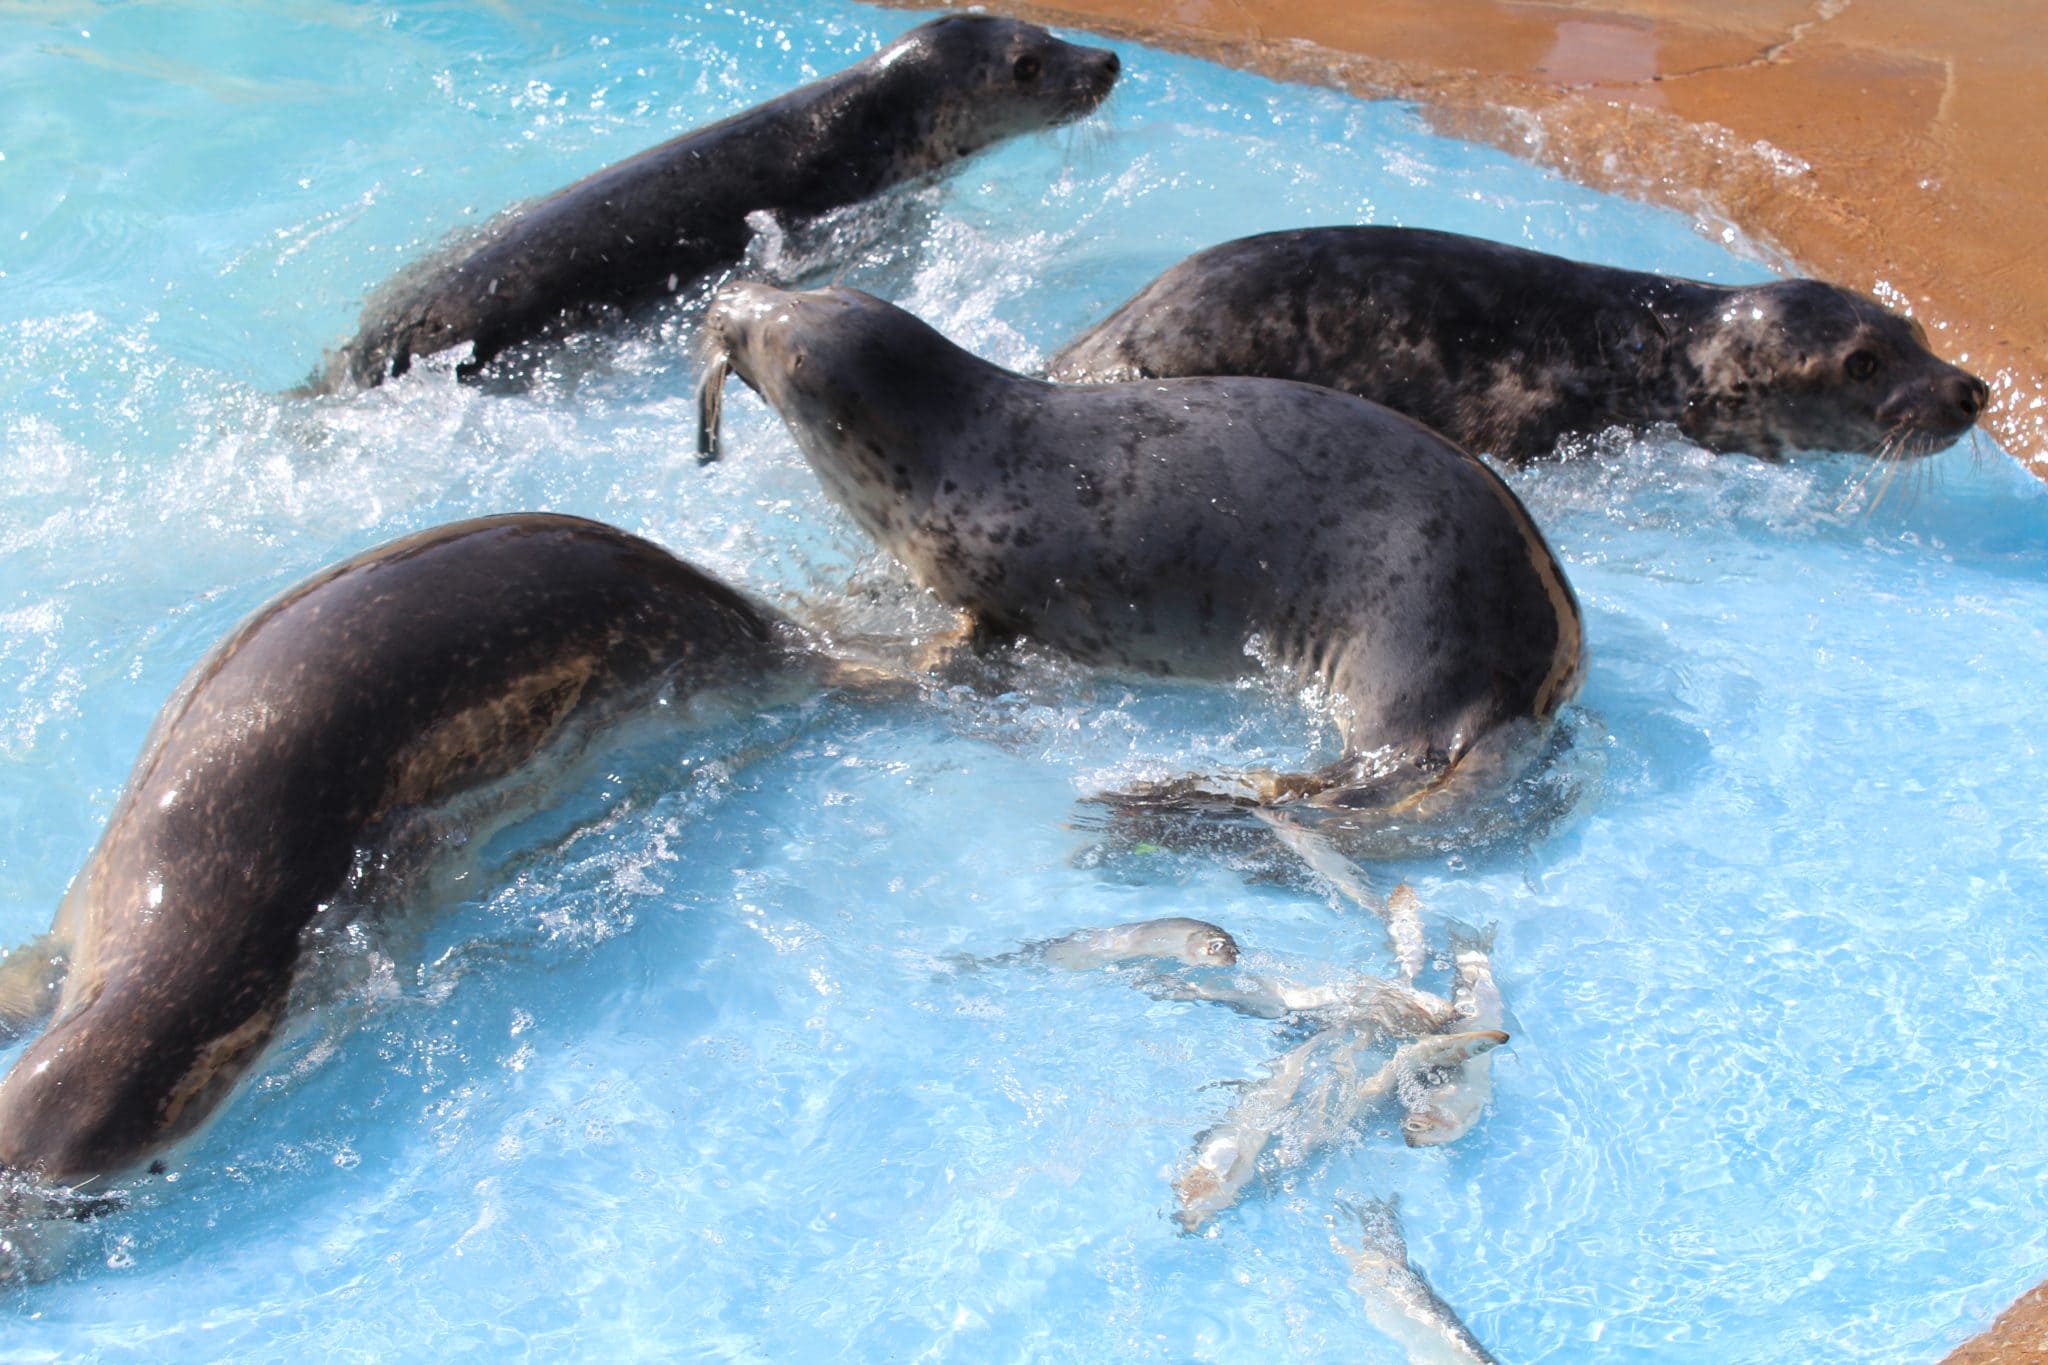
pixel 1508 351
pixel 391 684
pixel 1199 528
pixel 642 229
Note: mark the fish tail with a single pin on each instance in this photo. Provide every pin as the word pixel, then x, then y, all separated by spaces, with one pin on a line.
pixel 1464 938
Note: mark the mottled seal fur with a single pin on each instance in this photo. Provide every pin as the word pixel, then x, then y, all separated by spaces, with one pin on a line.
pixel 1194 527
pixel 641 230
pixel 1508 351
pixel 385 686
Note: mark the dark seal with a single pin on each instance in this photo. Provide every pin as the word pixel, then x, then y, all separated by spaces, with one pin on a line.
pixel 655 223
pixel 1508 351
pixel 1191 527
pixel 385 687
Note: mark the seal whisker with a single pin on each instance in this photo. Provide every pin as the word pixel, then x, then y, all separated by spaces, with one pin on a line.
pixel 1884 466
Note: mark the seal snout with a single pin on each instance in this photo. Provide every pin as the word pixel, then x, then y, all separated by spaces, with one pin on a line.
pixel 1940 409
pixel 1969 395
pixel 1106 68
pixel 1099 69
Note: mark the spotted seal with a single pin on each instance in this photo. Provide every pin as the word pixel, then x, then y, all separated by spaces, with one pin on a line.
pixel 391 684
pixel 1190 527
pixel 642 229
pixel 1508 351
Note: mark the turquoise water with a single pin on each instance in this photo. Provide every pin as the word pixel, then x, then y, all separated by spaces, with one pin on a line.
pixel 691 1073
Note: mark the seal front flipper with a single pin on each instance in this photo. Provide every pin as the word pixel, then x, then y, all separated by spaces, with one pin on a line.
pixel 29 980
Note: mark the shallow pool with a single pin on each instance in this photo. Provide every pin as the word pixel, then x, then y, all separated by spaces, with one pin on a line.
pixel 693 1071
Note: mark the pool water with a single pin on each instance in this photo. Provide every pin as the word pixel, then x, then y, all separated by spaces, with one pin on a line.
pixel 694 1069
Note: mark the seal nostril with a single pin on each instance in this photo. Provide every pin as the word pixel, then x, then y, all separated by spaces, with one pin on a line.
pixel 1112 65
pixel 1971 396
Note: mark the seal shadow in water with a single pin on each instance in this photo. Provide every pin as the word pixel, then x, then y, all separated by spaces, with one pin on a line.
pixel 656 224
pixel 430 686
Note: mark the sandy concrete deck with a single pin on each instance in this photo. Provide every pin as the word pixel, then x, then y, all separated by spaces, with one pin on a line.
pixel 1890 145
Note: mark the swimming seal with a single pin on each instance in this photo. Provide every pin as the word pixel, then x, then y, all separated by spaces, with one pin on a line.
pixel 1182 527
pixel 1508 351
pixel 655 223
pixel 385 686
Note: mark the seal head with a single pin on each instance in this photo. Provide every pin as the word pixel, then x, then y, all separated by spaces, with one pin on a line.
pixel 1801 365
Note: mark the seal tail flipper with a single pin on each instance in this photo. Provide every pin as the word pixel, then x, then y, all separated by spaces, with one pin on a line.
pixel 1373 807
pixel 1352 783
pixel 711 406
pixel 29 978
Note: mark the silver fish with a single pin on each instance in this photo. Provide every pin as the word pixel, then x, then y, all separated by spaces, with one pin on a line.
pixel 1397 1299
pixel 1191 942
pixel 1226 1156
pixel 1401 910
pixel 1366 1003
pixel 1450 1110
pixel 1410 1074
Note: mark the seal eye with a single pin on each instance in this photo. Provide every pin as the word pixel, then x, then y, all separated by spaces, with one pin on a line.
pixel 1027 68
pixel 1860 365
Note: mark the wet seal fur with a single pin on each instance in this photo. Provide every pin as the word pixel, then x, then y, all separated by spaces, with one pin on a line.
pixel 641 230
pixel 1182 527
pixel 1508 351
pixel 386 686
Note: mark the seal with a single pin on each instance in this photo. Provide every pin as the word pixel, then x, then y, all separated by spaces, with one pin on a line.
pixel 642 229
pixel 1509 352
pixel 1197 528
pixel 437 667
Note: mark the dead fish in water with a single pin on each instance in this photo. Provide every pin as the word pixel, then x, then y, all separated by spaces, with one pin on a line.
pixel 1401 910
pixel 1226 1156
pixel 1452 1108
pixel 1191 942
pixel 1397 1299
pixel 1369 1004
pixel 1404 926
pixel 1412 1074
pixel 1194 942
